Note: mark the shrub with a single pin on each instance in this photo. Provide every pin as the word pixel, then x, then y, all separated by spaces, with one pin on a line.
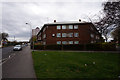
pixel 88 47
pixel 108 46
pixel 53 47
pixel 73 47
pixel 94 46
pixel 39 47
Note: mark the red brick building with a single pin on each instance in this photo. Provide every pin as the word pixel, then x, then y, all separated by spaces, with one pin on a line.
pixel 68 33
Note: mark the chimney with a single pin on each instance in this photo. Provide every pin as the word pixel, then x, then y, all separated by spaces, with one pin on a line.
pixel 54 20
pixel 79 20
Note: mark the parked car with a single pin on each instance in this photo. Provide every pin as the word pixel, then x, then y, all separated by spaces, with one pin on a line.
pixel 17 48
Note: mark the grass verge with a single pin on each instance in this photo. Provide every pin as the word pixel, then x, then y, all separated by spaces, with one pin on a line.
pixel 60 64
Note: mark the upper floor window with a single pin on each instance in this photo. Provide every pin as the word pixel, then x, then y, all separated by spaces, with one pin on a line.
pixel 70 42
pixel 92 35
pixel 44 36
pixel 64 42
pixel 64 35
pixel 44 29
pixel 70 27
pixel 75 26
pixel 58 34
pixel 63 26
pixel 58 42
pixel 76 34
pixel 70 34
pixel 58 27
pixel 76 42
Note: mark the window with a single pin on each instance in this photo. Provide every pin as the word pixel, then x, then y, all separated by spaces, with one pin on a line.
pixel 70 42
pixel 44 43
pixel 63 26
pixel 76 34
pixel 92 42
pixel 58 34
pixel 76 42
pixel 92 35
pixel 70 34
pixel 58 42
pixel 39 38
pixel 44 36
pixel 70 26
pixel 64 42
pixel 44 29
pixel 58 27
pixel 64 35
pixel 53 35
pixel 75 26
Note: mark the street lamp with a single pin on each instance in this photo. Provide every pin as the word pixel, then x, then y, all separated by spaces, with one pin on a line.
pixel 31 38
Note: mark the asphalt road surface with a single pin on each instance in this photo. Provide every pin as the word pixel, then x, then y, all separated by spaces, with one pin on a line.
pixel 19 65
pixel 7 51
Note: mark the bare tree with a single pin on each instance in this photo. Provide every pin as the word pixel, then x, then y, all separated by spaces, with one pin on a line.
pixel 111 20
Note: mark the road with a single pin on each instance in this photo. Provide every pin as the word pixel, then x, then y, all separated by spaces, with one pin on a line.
pixel 7 51
pixel 19 64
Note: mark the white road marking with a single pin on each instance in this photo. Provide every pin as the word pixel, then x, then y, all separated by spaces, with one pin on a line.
pixel 6 59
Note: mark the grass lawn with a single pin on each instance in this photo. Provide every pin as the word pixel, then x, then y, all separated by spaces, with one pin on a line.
pixel 60 64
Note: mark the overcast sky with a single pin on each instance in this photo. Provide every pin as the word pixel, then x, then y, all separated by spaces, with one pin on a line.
pixel 16 14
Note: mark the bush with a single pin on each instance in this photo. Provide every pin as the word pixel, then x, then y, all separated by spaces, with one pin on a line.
pixel 53 47
pixel 73 47
pixel 94 46
pixel 39 47
pixel 88 47
pixel 108 46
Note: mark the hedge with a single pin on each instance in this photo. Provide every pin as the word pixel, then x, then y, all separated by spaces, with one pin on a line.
pixel 88 47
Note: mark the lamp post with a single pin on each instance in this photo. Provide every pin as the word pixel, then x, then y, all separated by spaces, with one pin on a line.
pixel 31 38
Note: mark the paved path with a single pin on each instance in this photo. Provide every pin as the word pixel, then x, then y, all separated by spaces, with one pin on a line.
pixel 20 65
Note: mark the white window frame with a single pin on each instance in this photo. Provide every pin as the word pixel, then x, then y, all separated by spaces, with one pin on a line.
pixel 44 43
pixel 70 27
pixel 44 29
pixel 76 42
pixel 76 34
pixel 69 34
pixel 58 27
pixel 64 42
pixel 64 34
pixel 58 34
pixel 70 42
pixel 58 42
pixel 75 26
pixel 92 35
pixel 64 27
pixel 44 36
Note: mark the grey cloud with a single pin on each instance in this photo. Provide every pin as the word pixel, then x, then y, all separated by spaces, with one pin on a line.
pixel 15 15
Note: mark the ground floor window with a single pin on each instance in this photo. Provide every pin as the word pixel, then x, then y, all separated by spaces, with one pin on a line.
pixel 76 42
pixel 64 42
pixel 70 42
pixel 58 42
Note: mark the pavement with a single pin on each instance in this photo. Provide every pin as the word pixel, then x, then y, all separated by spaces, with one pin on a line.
pixel 19 65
